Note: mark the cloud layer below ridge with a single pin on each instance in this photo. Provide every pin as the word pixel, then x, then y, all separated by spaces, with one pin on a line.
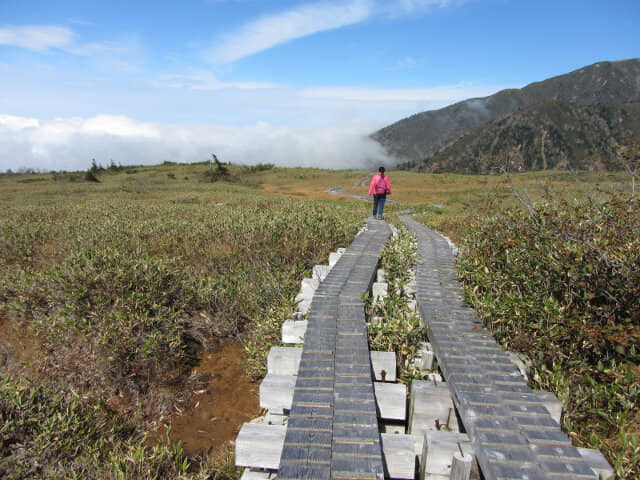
pixel 71 143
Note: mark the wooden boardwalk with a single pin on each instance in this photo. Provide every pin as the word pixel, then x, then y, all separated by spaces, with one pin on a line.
pixel 513 433
pixel 332 431
pixel 333 427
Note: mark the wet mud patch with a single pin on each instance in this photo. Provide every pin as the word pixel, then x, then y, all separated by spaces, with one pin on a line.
pixel 219 409
pixel 19 348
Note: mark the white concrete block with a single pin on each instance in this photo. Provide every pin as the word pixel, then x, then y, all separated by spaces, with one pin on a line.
pixel 303 306
pixel 259 446
pixel 433 377
pixel 399 456
pixel 381 275
pixel 551 402
pixel 384 361
pixel 521 364
pixel 426 360
pixel 293 331
pixel 379 289
pixel 308 287
pixel 419 444
pixel 412 305
pixel 320 272
pixel 276 391
pixel 275 418
pixel 410 288
pixel 376 321
pixel 255 474
pixel 391 400
pixel 333 258
pixel 461 466
pixel 596 460
pixel 312 283
pixel 429 402
pixel 284 360
pixel 438 450
pixel 394 428
pixel 341 250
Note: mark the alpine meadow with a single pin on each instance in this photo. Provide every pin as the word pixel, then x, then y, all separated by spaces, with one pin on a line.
pixel 115 288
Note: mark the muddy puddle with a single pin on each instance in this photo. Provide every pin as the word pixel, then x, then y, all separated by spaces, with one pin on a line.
pixel 220 408
pixel 19 347
pixel 229 400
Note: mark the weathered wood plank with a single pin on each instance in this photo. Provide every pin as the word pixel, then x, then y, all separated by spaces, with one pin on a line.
pixel 259 446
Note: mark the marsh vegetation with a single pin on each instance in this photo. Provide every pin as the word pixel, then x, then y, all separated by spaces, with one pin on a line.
pixel 112 291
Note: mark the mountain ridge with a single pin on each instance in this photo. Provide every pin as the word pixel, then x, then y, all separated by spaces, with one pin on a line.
pixel 424 139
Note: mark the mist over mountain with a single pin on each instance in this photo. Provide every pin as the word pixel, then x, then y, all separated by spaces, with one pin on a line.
pixel 573 119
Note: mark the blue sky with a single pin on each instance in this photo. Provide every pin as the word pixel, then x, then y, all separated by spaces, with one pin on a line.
pixel 291 82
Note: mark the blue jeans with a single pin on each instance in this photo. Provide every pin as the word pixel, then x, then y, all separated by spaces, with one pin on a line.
pixel 378 203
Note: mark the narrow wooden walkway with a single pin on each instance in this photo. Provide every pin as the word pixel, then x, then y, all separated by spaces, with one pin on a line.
pixel 513 434
pixel 332 432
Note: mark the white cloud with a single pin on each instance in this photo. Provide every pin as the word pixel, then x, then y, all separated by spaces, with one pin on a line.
pixel 118 125
pixel 406 63
pixel 13 123
pixel 36 37
pixel 438 95
pixel 205 80
pixel 398 8
pixel 301 21
pixel 122 54
pixel 70 144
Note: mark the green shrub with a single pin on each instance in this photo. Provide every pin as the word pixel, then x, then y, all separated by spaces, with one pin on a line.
pixel 51 433
pixel 563 286
pixel 400 329
pixel 90 176
pixel 125 291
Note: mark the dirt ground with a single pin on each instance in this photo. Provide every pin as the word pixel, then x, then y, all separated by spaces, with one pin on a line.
pixel 221 408
pixel 19 348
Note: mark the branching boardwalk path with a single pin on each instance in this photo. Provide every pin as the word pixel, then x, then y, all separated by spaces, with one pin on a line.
pixel 514 435
pixel 332 431
pixel 330 421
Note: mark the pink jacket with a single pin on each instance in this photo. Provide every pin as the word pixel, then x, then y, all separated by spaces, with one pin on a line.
pixel 379 184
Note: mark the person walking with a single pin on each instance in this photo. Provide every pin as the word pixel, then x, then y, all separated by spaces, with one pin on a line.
pixel 379 188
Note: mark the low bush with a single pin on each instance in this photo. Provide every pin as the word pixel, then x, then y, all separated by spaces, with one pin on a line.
pixel 52 433
pixel 124 292
pixel 563 286
pixel 399 330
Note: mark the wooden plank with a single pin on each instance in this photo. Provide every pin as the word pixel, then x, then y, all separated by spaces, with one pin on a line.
pixel 255 474
pixel 384 361
pixel 293 331
pixel 399 456
pixel 437 450
pixel 259 446
pixel 391 400
pixel 284 360
pixel 276 391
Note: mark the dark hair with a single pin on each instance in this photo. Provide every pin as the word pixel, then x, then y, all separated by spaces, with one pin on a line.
pixel 381 169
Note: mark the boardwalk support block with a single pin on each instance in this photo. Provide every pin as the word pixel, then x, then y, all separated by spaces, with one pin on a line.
pixel 284 360
pixel 276 391
pixel 384 362
pixel 391 400
pixel 293 331
pixel 259 446
pixel 399 456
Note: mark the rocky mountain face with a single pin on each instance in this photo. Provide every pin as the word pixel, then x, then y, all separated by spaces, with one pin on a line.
pixel 574 119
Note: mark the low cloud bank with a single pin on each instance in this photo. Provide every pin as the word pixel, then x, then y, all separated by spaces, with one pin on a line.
pixel 72 143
